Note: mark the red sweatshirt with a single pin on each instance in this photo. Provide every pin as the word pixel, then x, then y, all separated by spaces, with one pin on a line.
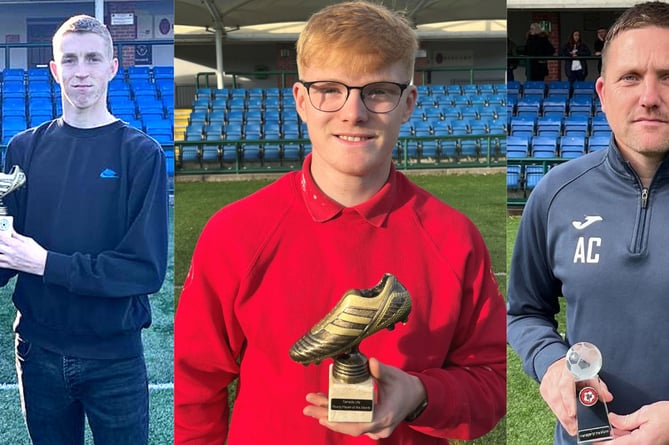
pixel 270 266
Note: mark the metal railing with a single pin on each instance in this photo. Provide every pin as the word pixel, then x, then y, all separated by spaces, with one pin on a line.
pixel 199 161
pixel 8 47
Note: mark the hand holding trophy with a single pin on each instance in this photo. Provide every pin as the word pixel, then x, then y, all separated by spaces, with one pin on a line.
pixel 359 314
pixel 584 361
pixel 8 183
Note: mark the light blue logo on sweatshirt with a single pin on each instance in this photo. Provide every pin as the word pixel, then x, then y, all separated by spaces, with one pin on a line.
pixel 108 173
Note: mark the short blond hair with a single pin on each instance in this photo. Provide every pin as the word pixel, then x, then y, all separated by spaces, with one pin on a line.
pixel 360 35
pixel 83 24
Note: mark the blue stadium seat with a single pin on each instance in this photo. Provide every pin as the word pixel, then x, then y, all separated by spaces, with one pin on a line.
pixel 513 177
pixel 210 153
pixel 549 126
pixel 572 146
pixel 598 142
pixel 291 152
pixel 544 147
pixel 583 87
pixel 580 106
pixel 559 87
pixel 517 147
pixel 422 128
pixel 459 127
pixel 555 106
pixel 164 72
pixel 523 125
pixel 429 149
pixel 599 126
pixel 576 126
pixel 190 153
pixel 534 88
pixel 512 88
pixel 533 174
pixel 229 154
pixel 529 105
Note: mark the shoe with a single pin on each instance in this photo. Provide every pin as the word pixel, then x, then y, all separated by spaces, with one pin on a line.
pixel 359 314
pixel 11 181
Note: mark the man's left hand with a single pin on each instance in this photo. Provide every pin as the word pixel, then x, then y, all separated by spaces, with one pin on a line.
pixel 22 254
pixel 399 394
pixel 646 426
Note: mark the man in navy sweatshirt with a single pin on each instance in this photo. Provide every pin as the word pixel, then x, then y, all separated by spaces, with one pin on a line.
pixel 89 245
pixel 594 232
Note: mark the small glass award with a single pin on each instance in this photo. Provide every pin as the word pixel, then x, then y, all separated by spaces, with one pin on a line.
pixel 584 361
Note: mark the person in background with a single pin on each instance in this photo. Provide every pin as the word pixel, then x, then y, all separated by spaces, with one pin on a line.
pixel 575 69
pixel 536 45
pixel 511 64
pixel 89 246
pixel 598 46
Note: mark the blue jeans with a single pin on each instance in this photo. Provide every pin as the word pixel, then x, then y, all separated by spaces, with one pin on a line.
pixel 58 392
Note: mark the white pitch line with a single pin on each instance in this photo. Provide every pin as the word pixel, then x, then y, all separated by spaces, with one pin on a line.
pixel 152 387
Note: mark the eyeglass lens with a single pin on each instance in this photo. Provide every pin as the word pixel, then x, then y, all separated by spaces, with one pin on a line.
pixel 379 97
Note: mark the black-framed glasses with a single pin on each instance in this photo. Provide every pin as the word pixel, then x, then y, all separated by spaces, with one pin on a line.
pixel 378 97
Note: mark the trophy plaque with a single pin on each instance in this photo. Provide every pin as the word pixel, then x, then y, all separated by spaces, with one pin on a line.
pixel 8 183
pixel 359 314
pixel 584 361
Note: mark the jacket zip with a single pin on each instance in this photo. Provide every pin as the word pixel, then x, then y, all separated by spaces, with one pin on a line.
pixel 641 228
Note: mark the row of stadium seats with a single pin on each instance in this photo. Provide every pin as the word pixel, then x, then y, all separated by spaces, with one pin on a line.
pixel 268 111
pixel 540 88
pixel 260 125
pixel 131 72
pixel 566 147
pixel 226 155
pixel 142 96
pixel 523 177
pixel 559 126
pixel 554 106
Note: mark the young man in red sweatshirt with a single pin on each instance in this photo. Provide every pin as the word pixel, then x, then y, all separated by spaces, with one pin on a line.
pixel 268 267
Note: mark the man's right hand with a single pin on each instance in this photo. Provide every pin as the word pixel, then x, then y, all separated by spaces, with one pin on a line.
pixel 557 389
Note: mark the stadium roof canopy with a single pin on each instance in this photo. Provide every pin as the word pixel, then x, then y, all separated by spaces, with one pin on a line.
pixel 233 14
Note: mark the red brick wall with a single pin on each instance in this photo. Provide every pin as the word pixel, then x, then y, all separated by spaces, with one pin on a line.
pixel 122 32
pixel 422 63
pixel 285 61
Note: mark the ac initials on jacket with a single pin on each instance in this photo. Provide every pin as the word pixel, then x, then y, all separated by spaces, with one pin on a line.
pixel 587 251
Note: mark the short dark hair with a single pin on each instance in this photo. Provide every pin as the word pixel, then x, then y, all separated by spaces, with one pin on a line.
pixel 641 15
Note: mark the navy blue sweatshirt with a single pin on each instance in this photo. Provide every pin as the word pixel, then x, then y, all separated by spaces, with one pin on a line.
pixel 96 200
pixel 593 234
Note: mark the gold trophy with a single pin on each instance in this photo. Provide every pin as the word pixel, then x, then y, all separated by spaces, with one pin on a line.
pixel 359 314
pixel 8 183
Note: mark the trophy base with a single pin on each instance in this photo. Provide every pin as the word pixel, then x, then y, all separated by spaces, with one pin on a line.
pixel 350 402
pixel 6 225
pixel 591 415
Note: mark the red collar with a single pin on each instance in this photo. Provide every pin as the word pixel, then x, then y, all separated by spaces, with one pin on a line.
pixel 375 210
